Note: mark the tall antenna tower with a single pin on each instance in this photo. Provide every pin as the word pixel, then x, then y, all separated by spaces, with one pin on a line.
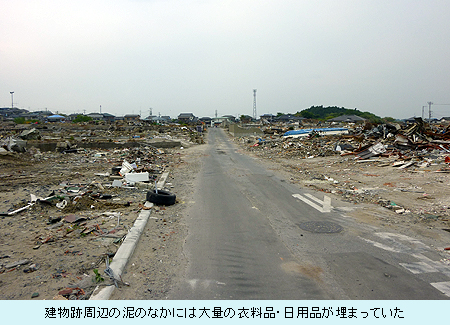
pixel 254 104
pixel 12 99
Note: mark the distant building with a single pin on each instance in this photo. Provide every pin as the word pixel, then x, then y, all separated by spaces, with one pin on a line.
pixel 230 118
pixel 96 116
pixel 11 113
pixel 149 118
pixel 288 118
pixel 246 119
pixel 131 117
pixel 56 118
pixel 72 117
pixel 32 116
pixel 108 117
pixel 157 119
pixel 163 119
pixel 207 120
pixel 186 118
pixel 224 120
pixel 410 120
pixel 267 117
pixel 37 115
pixel 348 119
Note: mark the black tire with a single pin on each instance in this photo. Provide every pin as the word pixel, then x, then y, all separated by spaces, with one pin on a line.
pixel 161 198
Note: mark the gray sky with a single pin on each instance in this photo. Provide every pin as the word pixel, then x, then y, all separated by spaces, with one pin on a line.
pixel 386 57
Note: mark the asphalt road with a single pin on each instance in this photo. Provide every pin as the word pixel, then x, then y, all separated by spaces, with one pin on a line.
pixel 255 236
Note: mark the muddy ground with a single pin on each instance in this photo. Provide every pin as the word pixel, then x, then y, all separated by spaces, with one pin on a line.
pixel 48 252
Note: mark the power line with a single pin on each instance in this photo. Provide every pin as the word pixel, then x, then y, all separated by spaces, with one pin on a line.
pixel 429 110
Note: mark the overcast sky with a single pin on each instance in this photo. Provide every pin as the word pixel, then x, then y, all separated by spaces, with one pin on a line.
pixel 386 57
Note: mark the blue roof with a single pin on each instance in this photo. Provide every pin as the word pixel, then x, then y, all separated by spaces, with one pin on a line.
pixel 306 131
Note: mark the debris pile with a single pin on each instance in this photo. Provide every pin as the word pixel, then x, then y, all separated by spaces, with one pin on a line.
pixel 386 140
pixel 385 164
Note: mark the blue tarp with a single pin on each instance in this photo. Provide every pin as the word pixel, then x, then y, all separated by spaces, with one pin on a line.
pixel 56 116
pixel 307 131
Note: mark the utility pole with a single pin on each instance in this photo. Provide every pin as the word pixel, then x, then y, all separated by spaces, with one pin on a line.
pixel 151 111
pixel 429 111
pixel 423 112
pixel 216 113
pixel 254 104
pixel 12 100
pixel 100 109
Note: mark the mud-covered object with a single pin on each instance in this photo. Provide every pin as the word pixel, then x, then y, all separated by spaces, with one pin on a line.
pixel 32 134
pixel 17 145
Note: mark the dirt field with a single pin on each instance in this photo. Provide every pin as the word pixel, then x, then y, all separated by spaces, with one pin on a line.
pixel 48 252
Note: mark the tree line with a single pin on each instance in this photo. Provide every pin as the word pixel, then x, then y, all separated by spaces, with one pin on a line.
pixel 325 113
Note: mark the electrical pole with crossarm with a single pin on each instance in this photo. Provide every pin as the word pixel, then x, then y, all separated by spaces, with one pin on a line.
pixel 254 104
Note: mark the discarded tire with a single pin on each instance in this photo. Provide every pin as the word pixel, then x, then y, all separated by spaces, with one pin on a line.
pixel 161 198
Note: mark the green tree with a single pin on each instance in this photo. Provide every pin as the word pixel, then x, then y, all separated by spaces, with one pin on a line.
pixel 324 113
pixel 82 118
pixel 307 114
pixel 19 120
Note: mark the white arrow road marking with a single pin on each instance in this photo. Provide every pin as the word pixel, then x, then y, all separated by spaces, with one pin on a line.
pixel 204 284
pixel 425 264
pixel 443 287
pixel 419 267
pixel 326 203
pixel 380 245
pixel 394 238
pixel 396 243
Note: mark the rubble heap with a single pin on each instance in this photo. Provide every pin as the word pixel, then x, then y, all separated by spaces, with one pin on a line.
pixel 360 166
pixel 412 142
